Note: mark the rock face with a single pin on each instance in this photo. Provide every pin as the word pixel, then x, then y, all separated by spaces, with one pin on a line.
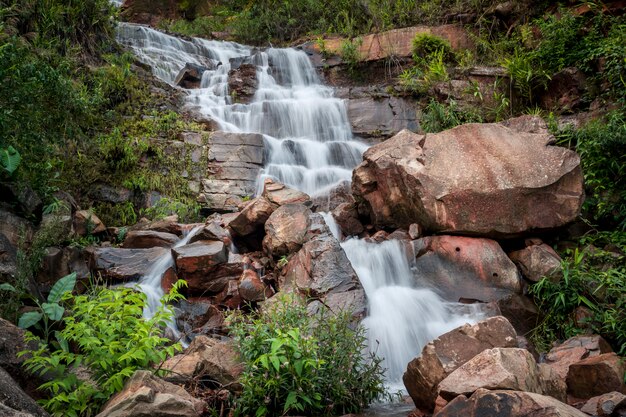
pixel 190 76
pixel 146 395
pixel 286 229
pixel 235 160
pixel 149 239
pixel 124 264
pixel 537 261
pixel 465 267
pixel 242 83
pixel 14 402
pixel 449 351
pixel 480 179
pixel 509 404
pixel 596 375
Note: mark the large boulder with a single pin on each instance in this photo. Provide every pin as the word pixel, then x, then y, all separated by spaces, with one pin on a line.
pixel 574 350
pixel 14 402
pixel 498 368
pixel 479 179
pixel 612 404
pixel 347 218
pixel 537 261
pixel 197 262
pixel 122 264
pixel 252 289
pixel 286 229
pixel 466 267
pixel 279 194
pixel 253 217
pixel 149 239
pixel 206 358
pixel 147 395
pixel 198 315
pixel 449 351
pixel 87 223
pixel 596 375
pixel 507 404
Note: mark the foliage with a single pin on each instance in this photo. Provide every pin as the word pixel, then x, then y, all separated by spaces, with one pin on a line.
pixel 350 54
pixel 425 46
pixel 9 159
pixel 437 116
pixel 105 332
pixel 594 278
pixel 601 145
pixel 309 365
pixel 166 207
pixel 526 75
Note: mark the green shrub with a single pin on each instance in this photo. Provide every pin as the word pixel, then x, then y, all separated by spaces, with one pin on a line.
pixel 593 278
pixel 351 55
pixel 437 117
pixel 425 46
pixel 309 365
pixel 186 212
pixel 105 332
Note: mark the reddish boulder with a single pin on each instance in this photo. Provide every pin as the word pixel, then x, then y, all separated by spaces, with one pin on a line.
pixel 596 375
pixel 286 229
pixel 253 216
pixel 251 288
pixel 521 311
pixel 480 179
pixel 612 404
pixel 347 218
pixel 565 90
pixel 87 223
pixel 125 264
pixel 574 350
pixel 279 194
pixel 537 261
pixel 229 298
pixel 198 316
pixel 197 263
pixel 166 225
pixel 507 403
pixel 448 352
pixel 211 231
pixel 464 267
pixel 149 239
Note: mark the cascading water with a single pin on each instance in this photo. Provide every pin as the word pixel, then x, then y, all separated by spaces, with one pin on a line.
pixel 309 146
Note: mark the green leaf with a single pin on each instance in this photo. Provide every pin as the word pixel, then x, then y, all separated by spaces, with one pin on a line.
pixel 9 159
pixel 275 362
pixel 292 399
pixel 29 319
pixel 53 311
pixel 7 287
pixel 62 286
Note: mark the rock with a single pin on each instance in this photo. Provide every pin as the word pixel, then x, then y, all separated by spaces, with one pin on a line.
pixel 198 315
pixel 229 298
pixel 565 90
pixel 190 76
pixel 11 343
pixel 551 383
pixel 149 239
pixel 347 219
pixel 197 263
pixel 286 229
pixel 253 217
pixel 381 116
pixel 353 301
pixel 415 231
pixel 521 311
pixel 574 350
pixel 147 395
pixel 479 179
pixel 166 225
pixel 87 223
pixel 208 359
pixel 211 231
pixel 612 404
pixel 279 194
pixel 320 267
pixel 109 194
pixel 445 354
pixel 15 228
pixel 537 261
pixel 242 83
pixel 465 267
pixel 507 403
pixel 596 375
pixel 124 264
pixel 14 402
pixel 498 368
pixel 26 201
pixel 338 194
pixel 8 259
pixel 251 288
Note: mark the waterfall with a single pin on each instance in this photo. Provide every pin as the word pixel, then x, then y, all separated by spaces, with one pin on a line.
pixel 309 146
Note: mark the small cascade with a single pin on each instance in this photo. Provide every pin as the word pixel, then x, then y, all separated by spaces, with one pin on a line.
pixel 150 283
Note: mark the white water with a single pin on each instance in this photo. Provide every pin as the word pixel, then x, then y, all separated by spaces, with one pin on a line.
pixel 309 147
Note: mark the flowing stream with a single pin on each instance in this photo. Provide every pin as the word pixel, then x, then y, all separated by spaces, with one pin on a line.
pixel 309 146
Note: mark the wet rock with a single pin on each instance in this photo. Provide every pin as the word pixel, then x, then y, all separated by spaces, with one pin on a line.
pixel 574 350
pixel 381 116
pixel 449 351
pixel 415 231
pixel 464 267
pixel 347 219
pixel 149 239
pixel 537 261
pixel 242 83
pixel 87 223
pixel 521 311
pixel 480 179
pixel 286 229
pixel 279 194
pixel 251 288
pixel 499 368
pixel 198 262
pixel 353 302
pixel 211 231
pixel 166 225
pixel 121 264
pixel 198 315
pixel 253 217
pixel 509 404
pixel 596 375
pixel 190 76
pixel 229 298
pixel 208 359
pixel 612 404
pixel 144 394
pixel 339 194
pixel 14 402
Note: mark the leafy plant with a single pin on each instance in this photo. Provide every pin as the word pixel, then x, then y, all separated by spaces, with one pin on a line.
pixel 426 45
pixel 310 365
pixel 437 116
pixel 167 206
pixel 104 332
pixel 9 159
pixel 350 54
